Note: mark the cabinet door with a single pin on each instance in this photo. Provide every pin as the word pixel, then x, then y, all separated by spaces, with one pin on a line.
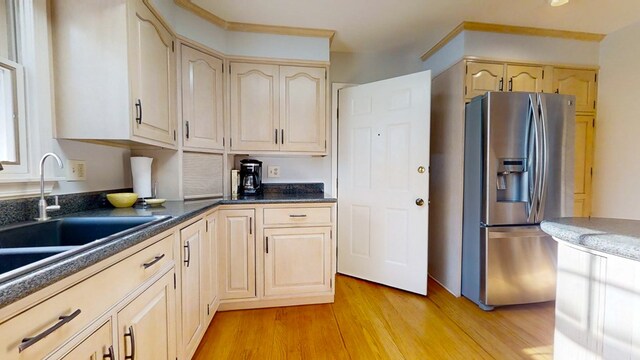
pixel 147 325
pixel 97 346
pixel 152 72
pixel 525 78
pixel 580 83
pixel 583 165
pixel 302 109
pixel 483 77
pixel 210 265
pixel 193 309
pixel 236 254
pixel 254 107
pixel 297 260
pixel 201 100
pixel 579 304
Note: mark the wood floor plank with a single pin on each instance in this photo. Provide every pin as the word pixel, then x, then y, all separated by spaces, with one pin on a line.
pixel 371 321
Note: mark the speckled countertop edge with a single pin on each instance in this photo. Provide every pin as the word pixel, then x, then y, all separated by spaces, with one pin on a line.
pixel 17 288
pixel 617 237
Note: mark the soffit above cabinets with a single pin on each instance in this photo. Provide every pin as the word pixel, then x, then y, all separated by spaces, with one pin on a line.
pixel 379 26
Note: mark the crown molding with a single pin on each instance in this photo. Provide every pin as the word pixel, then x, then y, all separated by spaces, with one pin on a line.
pixel 256 28
pixel 514 30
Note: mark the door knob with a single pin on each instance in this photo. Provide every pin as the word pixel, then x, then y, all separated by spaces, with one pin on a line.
pixel 419 202
pixel 421 169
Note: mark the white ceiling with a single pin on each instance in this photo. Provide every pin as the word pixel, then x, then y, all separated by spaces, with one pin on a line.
pixel 385 25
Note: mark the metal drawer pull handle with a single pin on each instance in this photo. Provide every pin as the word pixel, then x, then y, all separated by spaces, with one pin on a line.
pixel 26 342
pixel 298 216
pixel 133 344
pixel 110 355
pixel 153 262
pixel 139 111
pixel 187 259
pixel 267 246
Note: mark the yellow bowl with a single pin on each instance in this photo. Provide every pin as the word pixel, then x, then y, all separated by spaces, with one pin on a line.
pixel 122 200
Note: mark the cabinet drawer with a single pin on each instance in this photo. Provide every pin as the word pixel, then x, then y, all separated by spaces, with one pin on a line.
pixel 289 216
pixel 67 313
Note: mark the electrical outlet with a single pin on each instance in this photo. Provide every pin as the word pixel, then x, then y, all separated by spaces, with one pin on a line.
pixel 76 170
pixel 273 171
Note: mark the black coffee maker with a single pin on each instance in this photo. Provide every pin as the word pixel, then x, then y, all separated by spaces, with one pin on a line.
pixel 250 177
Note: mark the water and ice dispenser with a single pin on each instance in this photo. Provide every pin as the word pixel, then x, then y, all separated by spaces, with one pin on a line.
pixel 512 180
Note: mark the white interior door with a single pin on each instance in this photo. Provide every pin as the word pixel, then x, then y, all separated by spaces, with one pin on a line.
pixel 383 162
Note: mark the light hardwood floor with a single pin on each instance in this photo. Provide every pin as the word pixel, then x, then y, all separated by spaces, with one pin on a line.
pixel 370 321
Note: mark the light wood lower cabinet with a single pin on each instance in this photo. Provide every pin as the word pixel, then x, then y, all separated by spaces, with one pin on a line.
pixel 147 325
pixel 99 345
pixel 192 265
pixel 297 261
pixel 237 254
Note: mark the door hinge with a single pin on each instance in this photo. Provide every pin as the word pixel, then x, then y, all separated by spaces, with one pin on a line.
pixel 207 309
pixel 173 46
pixel 595 77
pixel 174 280
pixel 466 69
pixel 543 74
pixel 594 104
pixel 174 135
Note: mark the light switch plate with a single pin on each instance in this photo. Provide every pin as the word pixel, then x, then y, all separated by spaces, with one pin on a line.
pixel 76 170
pixel 273 171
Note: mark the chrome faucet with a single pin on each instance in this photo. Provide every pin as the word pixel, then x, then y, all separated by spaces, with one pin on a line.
pixel 43 207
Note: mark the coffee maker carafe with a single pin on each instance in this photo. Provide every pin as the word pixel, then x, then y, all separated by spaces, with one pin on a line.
pixel 250 177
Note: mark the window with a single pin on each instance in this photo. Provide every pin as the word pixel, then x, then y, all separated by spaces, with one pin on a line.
pixel 11 89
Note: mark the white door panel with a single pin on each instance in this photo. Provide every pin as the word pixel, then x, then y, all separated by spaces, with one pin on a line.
pixel 383 140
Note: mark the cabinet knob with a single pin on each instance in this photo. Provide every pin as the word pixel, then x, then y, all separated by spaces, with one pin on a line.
pixel 419 202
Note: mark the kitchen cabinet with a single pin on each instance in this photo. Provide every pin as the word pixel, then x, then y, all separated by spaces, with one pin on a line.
pixel 147 325
pixel 114 73
pixel 202 99
pixel 277 108
pixel 578 82
pixel 210 265
pixel 490 76
pixel 297 260
pixel 583 165
pixel 192 279
pixel 579 304
pixel 237 254
pixel 99 345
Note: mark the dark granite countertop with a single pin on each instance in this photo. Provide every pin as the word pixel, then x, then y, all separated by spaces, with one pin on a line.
pixel 610 236
pixel 13 288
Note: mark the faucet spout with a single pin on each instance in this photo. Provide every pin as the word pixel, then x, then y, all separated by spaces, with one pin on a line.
pixel 42 204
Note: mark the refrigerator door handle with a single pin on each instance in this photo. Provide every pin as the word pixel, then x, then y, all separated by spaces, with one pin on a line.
pixel 542 195
pixel 533 160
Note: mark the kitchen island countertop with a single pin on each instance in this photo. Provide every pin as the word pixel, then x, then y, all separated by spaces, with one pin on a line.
pixel 618 237
pixel 13 288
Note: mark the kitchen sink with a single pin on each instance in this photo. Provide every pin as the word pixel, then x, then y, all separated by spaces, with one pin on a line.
pixel 24 244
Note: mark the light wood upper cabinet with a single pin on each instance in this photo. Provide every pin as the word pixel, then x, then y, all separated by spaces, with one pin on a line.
pixel 482 77
pixel 255 120
pixel 278 108
pixel 237 254
pixel 580 83
pixel 114 73
pixel 152 75
pixel 583 164
pixel 147 325
pixel 202 99
pixel 192 268
pixel 524 78
pixel 302 109
pixel 99 345
pixel 297 260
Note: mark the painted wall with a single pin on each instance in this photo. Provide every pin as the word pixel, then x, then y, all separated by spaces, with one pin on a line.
pixel 616 163
pixel 360 68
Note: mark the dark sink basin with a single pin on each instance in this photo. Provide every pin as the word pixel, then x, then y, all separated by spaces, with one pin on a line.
pixel 25 244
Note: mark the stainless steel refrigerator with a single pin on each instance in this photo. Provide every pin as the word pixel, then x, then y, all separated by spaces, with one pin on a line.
pixel 518 171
